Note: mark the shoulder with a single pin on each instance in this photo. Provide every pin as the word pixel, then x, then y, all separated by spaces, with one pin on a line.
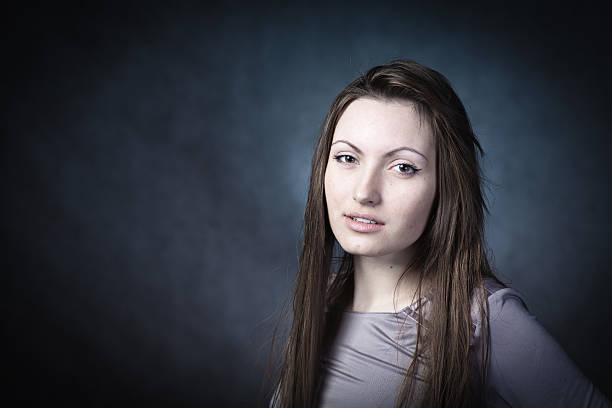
pixel 496 302
pixel 506 314
pixel 497 293
pixel 526 365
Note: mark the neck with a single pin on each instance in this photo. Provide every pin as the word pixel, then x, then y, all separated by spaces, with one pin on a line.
pixel 375 284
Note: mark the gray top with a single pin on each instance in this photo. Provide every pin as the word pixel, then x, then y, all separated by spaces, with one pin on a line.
pixel 367 362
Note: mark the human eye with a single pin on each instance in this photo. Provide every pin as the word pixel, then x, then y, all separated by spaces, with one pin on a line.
pixel 345 158
pixel 406 169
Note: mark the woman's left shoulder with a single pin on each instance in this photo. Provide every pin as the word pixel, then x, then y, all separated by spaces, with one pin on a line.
pixel 527 367
pixel 495 299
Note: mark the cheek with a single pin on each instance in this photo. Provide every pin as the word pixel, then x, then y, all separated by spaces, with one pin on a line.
pixel 328 187
pixel 414 208
pixel 333 188
pixel 330 198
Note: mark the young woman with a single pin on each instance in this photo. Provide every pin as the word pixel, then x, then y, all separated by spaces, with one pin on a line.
pixel 411 314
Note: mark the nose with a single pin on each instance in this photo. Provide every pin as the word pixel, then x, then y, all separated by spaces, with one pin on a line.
pixel 367 189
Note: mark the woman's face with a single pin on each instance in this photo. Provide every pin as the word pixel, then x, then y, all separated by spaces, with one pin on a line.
pixel 380 179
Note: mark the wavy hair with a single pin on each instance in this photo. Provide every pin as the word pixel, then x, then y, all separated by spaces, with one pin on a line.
pixel 450 256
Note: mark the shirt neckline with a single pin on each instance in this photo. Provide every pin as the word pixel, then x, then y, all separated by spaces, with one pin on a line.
pixel 410 308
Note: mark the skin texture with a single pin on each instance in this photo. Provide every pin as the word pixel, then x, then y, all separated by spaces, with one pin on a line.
pixel 359 177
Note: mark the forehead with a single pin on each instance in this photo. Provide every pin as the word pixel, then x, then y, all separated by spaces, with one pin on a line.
pixel 376 124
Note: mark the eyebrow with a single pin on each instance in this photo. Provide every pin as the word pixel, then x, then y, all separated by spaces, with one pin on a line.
pixel 391 153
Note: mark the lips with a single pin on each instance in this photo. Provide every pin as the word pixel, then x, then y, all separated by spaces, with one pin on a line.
pixel 363 222
pixel 362 216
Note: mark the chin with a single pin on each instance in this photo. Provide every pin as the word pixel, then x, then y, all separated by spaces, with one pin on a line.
pixel 363 250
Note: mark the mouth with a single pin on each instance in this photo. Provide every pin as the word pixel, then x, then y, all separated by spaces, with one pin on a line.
pixel 363 218
pixel 363 223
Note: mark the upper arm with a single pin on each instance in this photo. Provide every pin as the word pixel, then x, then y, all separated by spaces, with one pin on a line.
pixel 527 367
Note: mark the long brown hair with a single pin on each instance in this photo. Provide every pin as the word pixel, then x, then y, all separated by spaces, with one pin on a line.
pixel 450 256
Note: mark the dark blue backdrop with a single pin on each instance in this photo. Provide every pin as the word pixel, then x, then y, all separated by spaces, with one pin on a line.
pixel 154 170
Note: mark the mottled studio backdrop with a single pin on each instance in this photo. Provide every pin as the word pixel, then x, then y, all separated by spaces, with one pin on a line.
pixel 155 161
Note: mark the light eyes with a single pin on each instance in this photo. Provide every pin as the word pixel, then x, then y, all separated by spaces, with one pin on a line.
pixel 345 158
pixel 405 169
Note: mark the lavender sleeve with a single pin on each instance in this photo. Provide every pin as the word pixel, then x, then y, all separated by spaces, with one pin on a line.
pixel 527 367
